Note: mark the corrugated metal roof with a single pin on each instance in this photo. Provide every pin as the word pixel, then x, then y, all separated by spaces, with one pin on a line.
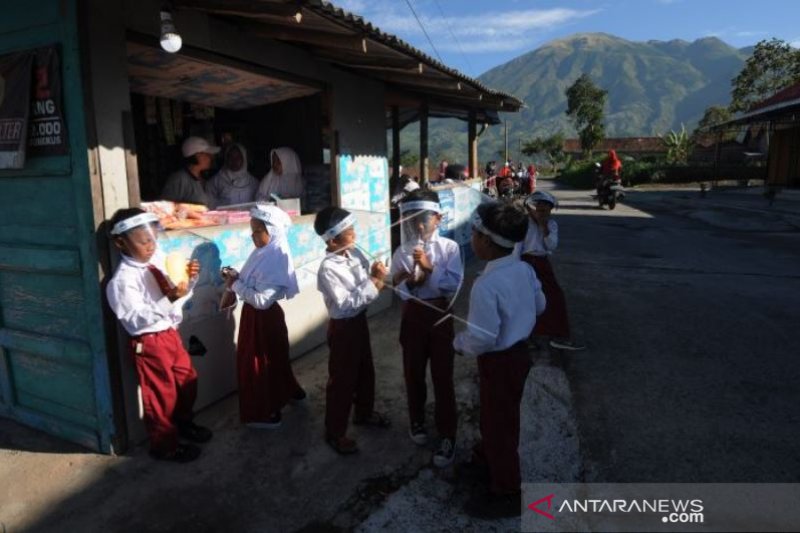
pixel 325 8
pixel 784 96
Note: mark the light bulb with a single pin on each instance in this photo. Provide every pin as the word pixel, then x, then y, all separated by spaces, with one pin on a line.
pixel 171 42
pixel 170 38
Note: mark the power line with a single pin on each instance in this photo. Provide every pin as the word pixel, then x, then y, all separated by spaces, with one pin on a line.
pixel 408 3
pixel 453 35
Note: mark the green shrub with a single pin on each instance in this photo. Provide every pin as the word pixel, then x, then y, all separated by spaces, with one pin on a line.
pixel 581 174
pixel 578 174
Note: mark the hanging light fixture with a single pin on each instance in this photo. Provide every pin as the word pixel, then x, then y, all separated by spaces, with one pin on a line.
pixel 170 38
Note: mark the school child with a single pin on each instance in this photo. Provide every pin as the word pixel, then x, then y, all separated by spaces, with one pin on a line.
pixel 500 320
pixel 266 381
pixel 540 242
pixel 348 285
pixel 149 307
pixel 427 272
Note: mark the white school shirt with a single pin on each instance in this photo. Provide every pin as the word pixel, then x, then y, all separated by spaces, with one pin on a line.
pixel 137 301
pixel 500 307
pixel 254 285
pixel 536 243
pixel 343 280
pixel 445 256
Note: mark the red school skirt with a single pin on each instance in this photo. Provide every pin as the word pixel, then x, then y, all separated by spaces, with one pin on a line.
pixel 266 380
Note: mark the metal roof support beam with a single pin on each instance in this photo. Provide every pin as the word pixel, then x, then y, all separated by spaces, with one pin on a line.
pixel 315 38
pixel 241 8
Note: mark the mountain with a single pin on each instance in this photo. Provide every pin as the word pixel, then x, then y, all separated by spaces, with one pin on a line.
pixel 653 87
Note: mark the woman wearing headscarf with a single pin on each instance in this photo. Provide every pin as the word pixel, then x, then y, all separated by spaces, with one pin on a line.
pixel 611 166
pixel 285 178
pixel 233 184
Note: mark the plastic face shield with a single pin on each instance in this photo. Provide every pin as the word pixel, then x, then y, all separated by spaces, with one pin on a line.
pixel 142 229
pixel 417 223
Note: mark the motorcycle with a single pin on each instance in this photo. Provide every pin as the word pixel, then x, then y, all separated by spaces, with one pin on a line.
pixel 507 189
pixel 609 189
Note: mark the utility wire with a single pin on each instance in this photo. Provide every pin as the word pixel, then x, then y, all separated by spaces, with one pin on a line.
pixel 453 35
pixel 408 3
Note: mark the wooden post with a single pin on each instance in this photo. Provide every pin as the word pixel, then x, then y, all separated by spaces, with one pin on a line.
pixel 472 139
pixel 424 161
pixel 395 143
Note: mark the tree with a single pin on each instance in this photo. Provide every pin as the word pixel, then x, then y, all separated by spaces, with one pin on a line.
pixel 551 147
pixel 585 106
pixel 713 116
pixel 408 160
pixel 773 66
pixel 679 144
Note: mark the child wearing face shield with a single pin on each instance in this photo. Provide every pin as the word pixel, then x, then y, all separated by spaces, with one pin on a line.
pixel 540 242
pixel 503 306
pixel 149 306
pixel 266 380
pixel 427 271
pixel 348 285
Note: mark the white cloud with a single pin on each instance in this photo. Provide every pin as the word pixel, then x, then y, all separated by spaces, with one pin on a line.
pixel 353 6
pixel 795 43
pixel 749 33
pixel 478 33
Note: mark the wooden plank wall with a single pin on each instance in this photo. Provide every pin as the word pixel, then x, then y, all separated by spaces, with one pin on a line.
pixel 53 363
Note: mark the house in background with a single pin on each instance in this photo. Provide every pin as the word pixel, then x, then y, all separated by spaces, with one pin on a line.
pixel 779 116
pixel 635 147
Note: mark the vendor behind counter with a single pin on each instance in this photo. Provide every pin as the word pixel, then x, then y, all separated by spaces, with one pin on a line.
pixel 285 177
pixel 233 184
pixel 187 185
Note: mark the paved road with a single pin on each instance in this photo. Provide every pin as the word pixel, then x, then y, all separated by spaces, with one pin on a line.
pixel 691 314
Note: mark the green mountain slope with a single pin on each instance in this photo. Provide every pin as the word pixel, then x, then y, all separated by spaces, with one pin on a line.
pixel 652 87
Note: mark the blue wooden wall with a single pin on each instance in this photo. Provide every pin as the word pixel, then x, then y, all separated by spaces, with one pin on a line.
pixel 53 363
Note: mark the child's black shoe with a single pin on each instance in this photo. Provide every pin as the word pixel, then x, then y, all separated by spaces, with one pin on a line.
pixel 184 453
pixel 299 396
pixel 192 432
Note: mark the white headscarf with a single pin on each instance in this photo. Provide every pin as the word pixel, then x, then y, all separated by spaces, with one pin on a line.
pixel 272 264
pixel 288 184
pixel 229 187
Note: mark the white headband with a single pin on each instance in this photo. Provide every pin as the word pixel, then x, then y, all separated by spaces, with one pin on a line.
pixel 333 232
pixel 477 223
pixel 541 196
pixel 420 205
pixel 271 216
pixel 129 223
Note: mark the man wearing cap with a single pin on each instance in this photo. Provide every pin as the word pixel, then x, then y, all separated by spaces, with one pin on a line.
pixel 187 185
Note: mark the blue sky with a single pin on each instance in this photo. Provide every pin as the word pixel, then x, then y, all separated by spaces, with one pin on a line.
pixel 476 35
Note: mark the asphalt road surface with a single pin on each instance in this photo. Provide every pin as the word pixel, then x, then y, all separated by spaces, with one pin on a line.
pixel 691 310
